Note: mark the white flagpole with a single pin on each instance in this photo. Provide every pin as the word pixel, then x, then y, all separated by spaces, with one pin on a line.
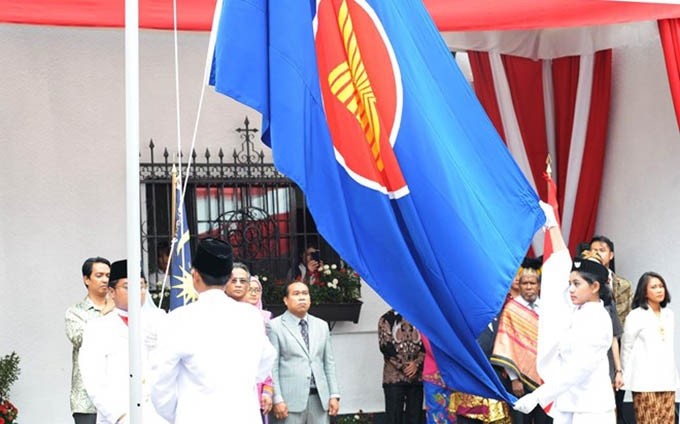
pixel 132 200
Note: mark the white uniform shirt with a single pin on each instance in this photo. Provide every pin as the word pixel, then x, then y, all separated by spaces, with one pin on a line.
pixel 211 358
pixel 583 385
pixel 104 364
pixel 647 351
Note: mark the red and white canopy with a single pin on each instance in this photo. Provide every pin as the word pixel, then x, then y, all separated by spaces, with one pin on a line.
pixel 449 15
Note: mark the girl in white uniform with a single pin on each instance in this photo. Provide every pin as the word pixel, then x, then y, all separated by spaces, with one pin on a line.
pixel 575 333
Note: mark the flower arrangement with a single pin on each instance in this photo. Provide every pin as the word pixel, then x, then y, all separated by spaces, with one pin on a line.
pixel 330 284
pixel 8 412
pixel 9 373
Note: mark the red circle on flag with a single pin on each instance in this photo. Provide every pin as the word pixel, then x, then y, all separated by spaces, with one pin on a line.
pixel 362 93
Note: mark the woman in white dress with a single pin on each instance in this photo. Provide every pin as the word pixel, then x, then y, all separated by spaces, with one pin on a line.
pixel 649 369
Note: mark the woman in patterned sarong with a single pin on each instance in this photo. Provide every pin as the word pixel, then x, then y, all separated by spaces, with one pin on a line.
pixel 647 352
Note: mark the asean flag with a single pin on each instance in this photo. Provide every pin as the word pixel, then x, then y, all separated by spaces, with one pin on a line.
pixel 404 174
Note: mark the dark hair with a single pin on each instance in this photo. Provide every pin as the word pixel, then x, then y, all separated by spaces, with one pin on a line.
pixel 589 266
pixel 163 245
pixel 604 292
pixel 209 280
pixel 89 262
pixel 640 297
pixel 288 284
pixel 581 247
pixel 606 240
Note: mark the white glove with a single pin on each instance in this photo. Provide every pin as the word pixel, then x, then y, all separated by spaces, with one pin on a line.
pixel 549 212
pixel 526 403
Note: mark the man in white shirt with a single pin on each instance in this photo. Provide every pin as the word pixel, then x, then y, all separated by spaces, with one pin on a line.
pixel 104 355
pixel 214 352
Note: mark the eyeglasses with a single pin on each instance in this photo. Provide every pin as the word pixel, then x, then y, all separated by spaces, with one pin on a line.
pixel 254 290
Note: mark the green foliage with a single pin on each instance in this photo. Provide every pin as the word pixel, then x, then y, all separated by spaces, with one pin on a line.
pixel 9 373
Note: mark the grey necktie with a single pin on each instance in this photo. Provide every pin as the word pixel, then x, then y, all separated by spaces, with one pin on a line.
pixel 305 333
pixel 305 336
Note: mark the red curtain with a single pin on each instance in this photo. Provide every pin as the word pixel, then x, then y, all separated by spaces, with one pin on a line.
pixel 669 30
pixel 526 86
pixel 565 82
pixel 479 63
pixel 590 183
pixel 525 78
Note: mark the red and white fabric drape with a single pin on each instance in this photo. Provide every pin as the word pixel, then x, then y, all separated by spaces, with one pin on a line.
pixel 669 31
pixel 557 106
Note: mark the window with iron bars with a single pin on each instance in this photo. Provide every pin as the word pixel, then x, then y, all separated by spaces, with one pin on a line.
pixel 244 200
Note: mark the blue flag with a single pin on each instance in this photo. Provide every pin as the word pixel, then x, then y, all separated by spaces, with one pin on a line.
pixel 181 283
pixel 404 174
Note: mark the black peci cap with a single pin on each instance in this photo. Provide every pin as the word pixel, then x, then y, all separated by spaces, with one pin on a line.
pixel 118 271
pixel 592 267
pixel 213 257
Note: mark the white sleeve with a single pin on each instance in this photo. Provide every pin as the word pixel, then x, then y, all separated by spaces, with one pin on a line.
pixel 93 367
pixel 165 370
pixel 631 330
pixel 556 310
pixel 264 369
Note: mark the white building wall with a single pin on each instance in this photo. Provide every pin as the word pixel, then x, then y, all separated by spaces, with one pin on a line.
pixel 62 186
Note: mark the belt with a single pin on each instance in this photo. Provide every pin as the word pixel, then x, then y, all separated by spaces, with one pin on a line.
pixel 313 391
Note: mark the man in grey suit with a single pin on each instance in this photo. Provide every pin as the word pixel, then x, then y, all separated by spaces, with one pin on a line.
pixel 305 387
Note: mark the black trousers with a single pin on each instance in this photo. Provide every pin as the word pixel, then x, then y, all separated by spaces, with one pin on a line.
pixel 618 397
pixel 79 418
pixel 403 404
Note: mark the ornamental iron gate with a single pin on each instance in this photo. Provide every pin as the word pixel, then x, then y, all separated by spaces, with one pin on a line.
pixel 244 200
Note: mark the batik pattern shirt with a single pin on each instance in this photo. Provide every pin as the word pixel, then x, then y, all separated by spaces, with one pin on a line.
pixel 400 343
pixel 623 296
pixel 76 317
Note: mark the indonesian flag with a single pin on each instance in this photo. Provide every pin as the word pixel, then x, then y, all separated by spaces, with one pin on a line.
pixel 556 307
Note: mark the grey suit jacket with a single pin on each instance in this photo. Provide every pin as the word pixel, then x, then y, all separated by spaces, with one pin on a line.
pixel 295 364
